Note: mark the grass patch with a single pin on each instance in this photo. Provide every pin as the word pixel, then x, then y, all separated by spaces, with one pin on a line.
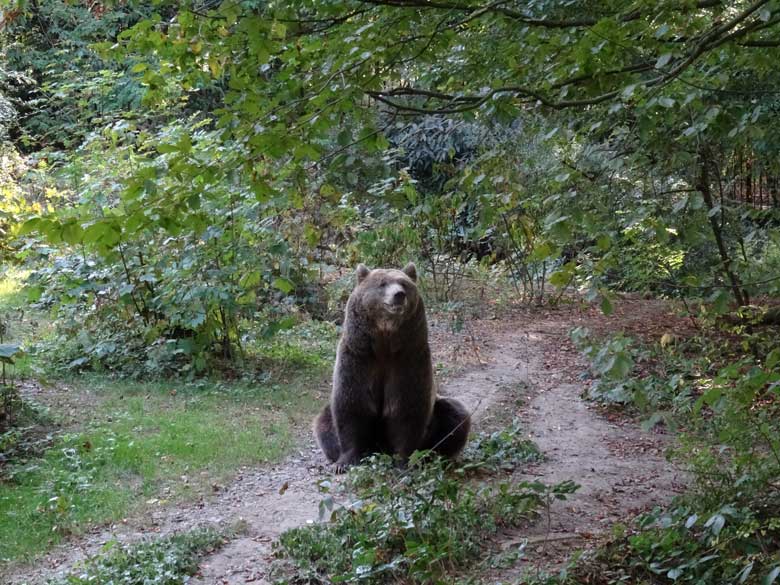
pixel 12 295
pixel 309 345
pixel 144 444
pixel 19 322
pixel 165 561
pixel 132 444
pixel 421 524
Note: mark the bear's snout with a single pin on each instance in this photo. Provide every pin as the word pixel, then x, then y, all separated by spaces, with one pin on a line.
pixel 395 297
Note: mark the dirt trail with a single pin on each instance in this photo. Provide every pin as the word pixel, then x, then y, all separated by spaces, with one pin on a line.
pixel 620 468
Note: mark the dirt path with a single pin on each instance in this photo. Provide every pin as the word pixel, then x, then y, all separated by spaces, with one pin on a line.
pixel 620 468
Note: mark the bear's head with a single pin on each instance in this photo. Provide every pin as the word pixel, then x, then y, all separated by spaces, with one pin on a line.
pixel 387 296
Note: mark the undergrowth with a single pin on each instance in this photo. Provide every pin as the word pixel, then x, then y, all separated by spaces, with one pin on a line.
pixel 164 561
pixel 722 392
pixel 419 524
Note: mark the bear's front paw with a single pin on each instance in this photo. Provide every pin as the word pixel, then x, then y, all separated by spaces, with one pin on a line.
pixel 344 462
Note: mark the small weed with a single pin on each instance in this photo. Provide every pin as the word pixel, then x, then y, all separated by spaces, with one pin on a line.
pixel 649 380
pixel 165 561
pixel 503 449
pixel 730 544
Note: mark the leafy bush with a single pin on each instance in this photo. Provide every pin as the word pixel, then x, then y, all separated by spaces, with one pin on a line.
pixel 176 292
pixel 688 544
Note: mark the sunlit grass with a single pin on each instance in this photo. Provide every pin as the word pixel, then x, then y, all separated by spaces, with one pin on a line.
pixel 12 295
pixel 21 323
pixel 135 445
pixel 146 445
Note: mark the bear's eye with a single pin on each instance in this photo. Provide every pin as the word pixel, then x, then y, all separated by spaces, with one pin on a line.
pixel 383 284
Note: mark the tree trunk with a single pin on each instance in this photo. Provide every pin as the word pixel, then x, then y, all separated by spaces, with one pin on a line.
pixel 706 191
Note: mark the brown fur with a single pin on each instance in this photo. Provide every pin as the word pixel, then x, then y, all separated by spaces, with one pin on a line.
pixel 383 397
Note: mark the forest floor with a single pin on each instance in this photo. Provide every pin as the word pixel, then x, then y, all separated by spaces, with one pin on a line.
pixel 519 365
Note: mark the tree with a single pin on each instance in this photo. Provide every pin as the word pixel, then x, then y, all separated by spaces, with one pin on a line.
pixel 672 90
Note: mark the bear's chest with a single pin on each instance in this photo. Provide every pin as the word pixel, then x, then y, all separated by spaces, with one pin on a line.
pixel 386 347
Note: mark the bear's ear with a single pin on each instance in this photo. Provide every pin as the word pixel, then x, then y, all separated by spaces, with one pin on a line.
pixel 411 271
pixel 361 271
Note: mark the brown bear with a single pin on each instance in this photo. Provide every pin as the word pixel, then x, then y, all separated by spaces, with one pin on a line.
pixel 383 397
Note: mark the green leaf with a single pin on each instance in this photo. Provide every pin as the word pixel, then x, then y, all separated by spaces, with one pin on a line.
pixel 560 278
pixel 771 576
pixel 606 305
pixel 34 293
pixel 262 191
pixel 9 350
pixel 773 358
pixel 619 366
pixel 104 232
pixel 278 30
pixel 284 285
pixel 72 233
pixel 716 523
pixel 541 252
pixel 250 279
pixel 663 60
pixel 29 226
pixel 720 301
pixel 712 396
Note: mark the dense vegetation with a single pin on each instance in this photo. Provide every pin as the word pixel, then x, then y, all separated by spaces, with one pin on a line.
pixel 185 186
pixel 422 524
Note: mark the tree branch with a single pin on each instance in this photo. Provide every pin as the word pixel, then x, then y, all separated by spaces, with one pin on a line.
pixel 716 36
pixel 526 19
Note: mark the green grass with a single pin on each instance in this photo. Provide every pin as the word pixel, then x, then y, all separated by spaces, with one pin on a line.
pixel 132 445
pixel 21 323
pixel 142 445
pixel 12 295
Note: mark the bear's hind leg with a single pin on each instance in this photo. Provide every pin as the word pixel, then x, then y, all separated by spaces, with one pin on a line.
pixel 449 427
pixel 325 433
pixel 358 438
